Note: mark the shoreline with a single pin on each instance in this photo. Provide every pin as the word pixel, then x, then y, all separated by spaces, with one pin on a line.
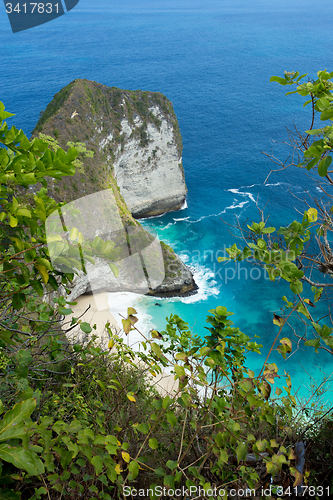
pixel 95 310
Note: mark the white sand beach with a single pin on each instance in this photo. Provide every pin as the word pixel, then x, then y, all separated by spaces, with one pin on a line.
pixel 95 310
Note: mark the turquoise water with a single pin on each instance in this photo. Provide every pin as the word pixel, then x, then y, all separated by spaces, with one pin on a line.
pixel 213 60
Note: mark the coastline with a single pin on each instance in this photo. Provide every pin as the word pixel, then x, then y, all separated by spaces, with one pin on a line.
pixel 95 310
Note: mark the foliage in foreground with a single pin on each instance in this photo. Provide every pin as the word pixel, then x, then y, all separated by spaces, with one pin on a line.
pixel 113 430
pixel 80 422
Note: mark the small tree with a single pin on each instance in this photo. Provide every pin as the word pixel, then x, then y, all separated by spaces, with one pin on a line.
pixel 301 251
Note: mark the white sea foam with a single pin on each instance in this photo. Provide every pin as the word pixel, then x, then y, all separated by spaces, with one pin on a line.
pixel 184 257
pixel 167 226
pixel 184 218
pixel 240 205
pixel 236 191
pixel 230 207
pixel 264 185
pixel 204 278
pixel 184 205
pixel 276 184
pixel 233 206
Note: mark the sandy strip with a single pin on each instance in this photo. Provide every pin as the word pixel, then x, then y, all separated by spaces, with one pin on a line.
pixel 99 314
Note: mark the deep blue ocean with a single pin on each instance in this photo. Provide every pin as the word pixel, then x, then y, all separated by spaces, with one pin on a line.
pixel 213 60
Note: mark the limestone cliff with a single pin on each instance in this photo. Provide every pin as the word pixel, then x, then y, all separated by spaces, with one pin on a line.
pixel 137 154
pixel 135 137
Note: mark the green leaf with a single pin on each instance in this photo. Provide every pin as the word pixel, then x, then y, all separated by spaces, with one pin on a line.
pixel 19 300
pixel 317 131
pixel 296 287
pixel 11 426
pixel 221 311
pixel 180 371
pixel 12 221
pixel 278 79
pixel 156 349
pixel 114 269
pixel 169 481
pixel 313 343
pixel 246 384
pixel 53 282
pixel 241 451
pixel 219 439
pixel 143 427
pixel 74 233
pixel 167 401
pixel 85 327
pixel 235 426
pixel 171 418
pixel 267 230
pixel 252 399
pixel 24 211
pixel 44 262
pixel 312 163
pixel 322 168
pixel 127 325
pixel 223 456
pixel 326 115
pixel 97 462
pixel 22 459
pixel 160 472
pixel 64 311
pixel 271 468
pixel 171 464
pixel 101 384
pixel 9 495
pixel 322 104
pixel 153 443
pixel 38 287
pixel 133 467
pixel 312 214
pixel 261 445
pixel 186 398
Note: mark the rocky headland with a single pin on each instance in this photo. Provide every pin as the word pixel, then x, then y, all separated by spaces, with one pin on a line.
pixel 135 150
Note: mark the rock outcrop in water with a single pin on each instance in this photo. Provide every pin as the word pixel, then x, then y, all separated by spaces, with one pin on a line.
pixel 137 154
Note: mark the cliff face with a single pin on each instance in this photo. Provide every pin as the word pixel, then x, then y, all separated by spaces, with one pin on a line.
pixel 137 149
pixel 150 178
pixel 135 137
